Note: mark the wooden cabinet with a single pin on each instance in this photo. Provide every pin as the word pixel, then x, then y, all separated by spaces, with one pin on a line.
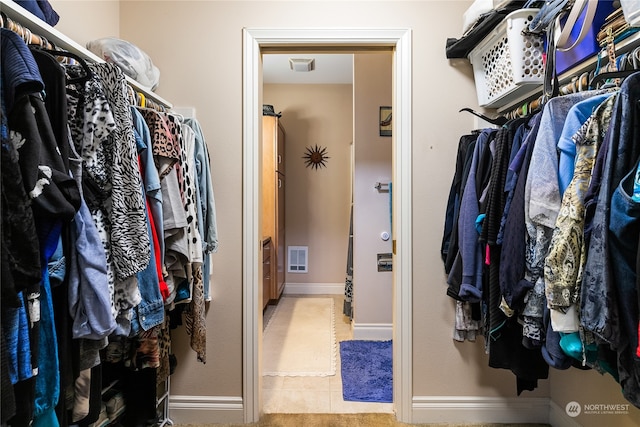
pixel 273 198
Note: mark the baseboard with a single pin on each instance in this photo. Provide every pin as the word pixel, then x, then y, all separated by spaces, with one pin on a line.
pixel 214 409
pixel 425 409
pixel 475 409
pixel 558 417
pixel 373 331
pixel 313 289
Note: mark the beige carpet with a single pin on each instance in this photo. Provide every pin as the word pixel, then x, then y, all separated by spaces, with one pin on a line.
pixel 300 338
pixel 343 420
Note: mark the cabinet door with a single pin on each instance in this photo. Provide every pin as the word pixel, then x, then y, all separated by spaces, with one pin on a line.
pixel 280 137
pixel 281 258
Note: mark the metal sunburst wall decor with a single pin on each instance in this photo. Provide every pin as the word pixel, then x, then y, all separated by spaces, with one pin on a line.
pixel 316 157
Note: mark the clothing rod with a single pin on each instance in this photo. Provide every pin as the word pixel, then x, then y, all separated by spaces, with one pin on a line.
pixel 579 84
pixel 576 84
pixel 41 29
pixel 623 46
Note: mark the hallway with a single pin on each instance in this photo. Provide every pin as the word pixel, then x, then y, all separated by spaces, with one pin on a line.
pixel 300 395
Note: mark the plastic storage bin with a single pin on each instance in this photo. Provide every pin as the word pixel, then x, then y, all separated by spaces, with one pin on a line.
pixel 506 63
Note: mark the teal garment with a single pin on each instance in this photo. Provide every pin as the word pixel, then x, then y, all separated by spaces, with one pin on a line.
pixel 636 186
pixel 572 346
pixel 47 380
pixel 46 419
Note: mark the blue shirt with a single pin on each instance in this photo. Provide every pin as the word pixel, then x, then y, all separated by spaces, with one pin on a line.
pixel 576 117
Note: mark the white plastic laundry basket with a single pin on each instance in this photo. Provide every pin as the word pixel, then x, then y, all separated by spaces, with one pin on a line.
pixel 506 63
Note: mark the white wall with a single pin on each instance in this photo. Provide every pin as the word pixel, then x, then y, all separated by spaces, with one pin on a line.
pixel 83 21
pixel 372 290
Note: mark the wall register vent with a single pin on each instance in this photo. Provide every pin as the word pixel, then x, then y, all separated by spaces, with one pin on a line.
pixel 298 259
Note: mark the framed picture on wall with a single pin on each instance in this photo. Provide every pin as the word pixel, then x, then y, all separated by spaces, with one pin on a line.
pixel 385 121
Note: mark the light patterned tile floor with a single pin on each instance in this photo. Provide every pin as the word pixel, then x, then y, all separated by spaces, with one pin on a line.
pixel 298 395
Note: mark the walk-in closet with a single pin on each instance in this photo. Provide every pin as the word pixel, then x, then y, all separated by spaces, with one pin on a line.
pixel 135 269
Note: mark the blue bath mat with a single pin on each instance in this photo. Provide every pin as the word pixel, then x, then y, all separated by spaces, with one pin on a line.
pixel 366 370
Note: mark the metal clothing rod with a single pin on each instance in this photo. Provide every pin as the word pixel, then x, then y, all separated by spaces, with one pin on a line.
pixel 578 84
pixel 40 30
pixel 582 83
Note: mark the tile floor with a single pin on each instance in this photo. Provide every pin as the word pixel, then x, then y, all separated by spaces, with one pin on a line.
pixel 298 395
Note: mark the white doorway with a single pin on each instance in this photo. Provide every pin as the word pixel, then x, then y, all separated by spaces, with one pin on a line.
pixel 254 41
pixel 334 105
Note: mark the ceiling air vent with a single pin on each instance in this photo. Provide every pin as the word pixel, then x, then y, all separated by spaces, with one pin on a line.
pixel 302 64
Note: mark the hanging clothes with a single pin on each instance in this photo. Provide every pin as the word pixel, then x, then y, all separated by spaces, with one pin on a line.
pixel 206 209
pixel 565 259
pixel 125 228
pixel 550 223
pixel 193 282
pixel 85 246
pixel 54 199
pixel 449 245
pixel 466 274
pixel 609 290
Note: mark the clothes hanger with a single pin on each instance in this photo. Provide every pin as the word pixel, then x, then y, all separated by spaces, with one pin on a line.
pixel 85 67
pixel 498 121
pixel 610 75
pixel 179 116
pixel 142 100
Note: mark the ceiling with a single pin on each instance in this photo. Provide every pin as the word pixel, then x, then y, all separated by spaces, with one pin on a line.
pixel 329 69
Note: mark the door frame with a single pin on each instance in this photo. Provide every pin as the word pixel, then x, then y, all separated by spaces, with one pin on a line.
pixel 254 40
